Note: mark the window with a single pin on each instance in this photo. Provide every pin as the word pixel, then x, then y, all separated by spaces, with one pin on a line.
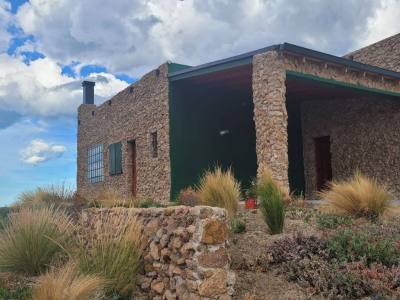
pixel 95 163
pixel 154 144
pixel 115 158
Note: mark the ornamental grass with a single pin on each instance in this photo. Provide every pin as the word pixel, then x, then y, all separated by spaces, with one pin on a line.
pixel 359 196
pixel 220 188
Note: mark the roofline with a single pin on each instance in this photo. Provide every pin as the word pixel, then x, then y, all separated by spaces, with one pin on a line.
pixel 246 58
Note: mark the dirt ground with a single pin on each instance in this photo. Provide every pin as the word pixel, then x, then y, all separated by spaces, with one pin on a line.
pixel 249 251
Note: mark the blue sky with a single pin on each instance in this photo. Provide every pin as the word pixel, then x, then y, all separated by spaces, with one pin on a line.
pixel 47 47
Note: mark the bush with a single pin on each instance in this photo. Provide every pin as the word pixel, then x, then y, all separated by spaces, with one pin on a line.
pixel 237 225
pixel 112 250
pixel 67 284
pixel 54 195
pixel 147 202
pixel 110 198
pixel 188 197
pixel 33 238
pixel 220 188
pixel 271 202
pixel 360 196
pixel 349 245
pixel 332 221
pixel 17 294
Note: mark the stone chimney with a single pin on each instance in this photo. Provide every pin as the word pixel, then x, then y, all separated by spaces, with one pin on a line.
pixel 88 92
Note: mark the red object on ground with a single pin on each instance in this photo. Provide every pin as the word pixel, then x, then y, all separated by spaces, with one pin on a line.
pixel 251 203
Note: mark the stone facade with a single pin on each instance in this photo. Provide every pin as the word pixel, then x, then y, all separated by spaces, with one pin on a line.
pixel 186 256
pixel 384 54
pixel 363 134
pixel 132 114
pixel 269 96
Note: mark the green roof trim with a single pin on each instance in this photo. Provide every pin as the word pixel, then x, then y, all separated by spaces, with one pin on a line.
pixel 342 83
pixel 174 67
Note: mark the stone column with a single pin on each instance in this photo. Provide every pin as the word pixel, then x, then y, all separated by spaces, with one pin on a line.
pixel 270 115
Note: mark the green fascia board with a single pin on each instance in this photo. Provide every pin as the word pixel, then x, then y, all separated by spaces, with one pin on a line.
pixel 213 68
pixel 342 83
pixel 174 67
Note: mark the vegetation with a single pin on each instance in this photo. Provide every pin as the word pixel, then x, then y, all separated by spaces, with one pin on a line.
pixel 17 294
pixel 220 188
pixel 33 238
pixel 188 197
pixel 332 221
pixel 237 225
pixel 113 250
pixel 271 202
pixel 360 196
pixel 4 211
pixel 68 284
pixel 350 245
pixel 54 195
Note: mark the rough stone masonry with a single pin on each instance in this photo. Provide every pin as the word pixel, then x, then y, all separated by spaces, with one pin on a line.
pixel 186 256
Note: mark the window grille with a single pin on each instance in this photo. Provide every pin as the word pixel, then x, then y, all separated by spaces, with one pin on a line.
pixel 95 163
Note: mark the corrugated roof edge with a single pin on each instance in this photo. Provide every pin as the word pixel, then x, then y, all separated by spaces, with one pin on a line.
pixel 292 49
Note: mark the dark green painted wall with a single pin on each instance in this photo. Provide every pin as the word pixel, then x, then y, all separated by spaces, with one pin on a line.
pixel 197 115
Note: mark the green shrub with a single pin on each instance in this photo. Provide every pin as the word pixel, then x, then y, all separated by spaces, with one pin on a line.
pixel 54 195
pixel 112 250
pixel 147 202
pixel 349 245
pixel 332 221
pixel 271 202
pixel 17 294
pixel 220 188
pixel 32 238
pixel 4 211
pixel 237 225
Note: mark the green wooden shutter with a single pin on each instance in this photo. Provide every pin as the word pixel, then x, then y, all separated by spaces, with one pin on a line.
pixel 118 158
pixel 111 159
pixel 115 158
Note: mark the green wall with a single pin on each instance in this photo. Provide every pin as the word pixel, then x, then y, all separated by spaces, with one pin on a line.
pixel 197 115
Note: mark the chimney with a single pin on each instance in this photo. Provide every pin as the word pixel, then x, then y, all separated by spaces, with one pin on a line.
pixel 88 92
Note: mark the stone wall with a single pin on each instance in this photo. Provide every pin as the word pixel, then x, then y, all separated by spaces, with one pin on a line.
pixel 363 134
pixel 186 256
pixel 384 54
pixel 132 114
pixel 269 96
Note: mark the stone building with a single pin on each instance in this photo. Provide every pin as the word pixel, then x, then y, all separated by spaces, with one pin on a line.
pixel 309 116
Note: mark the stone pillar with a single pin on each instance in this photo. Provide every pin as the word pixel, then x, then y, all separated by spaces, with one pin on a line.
pixel 270 115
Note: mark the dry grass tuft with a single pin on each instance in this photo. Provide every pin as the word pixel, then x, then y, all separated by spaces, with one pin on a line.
pixel 113 250
pixel 32 238
pixel 67 284
pixel 220 188
pixel 359 196
pixel 110 198
pixel 54 195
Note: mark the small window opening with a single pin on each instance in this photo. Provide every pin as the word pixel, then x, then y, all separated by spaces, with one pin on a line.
pixel 154 144
pixel 131 90
pixel 157 72
pixel 109 102
pixel 92 112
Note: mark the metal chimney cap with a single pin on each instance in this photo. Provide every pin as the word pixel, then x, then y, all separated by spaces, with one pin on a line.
pixel 88 83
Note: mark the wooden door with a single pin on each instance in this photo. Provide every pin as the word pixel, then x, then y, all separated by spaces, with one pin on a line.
pixel 323 161
pixel 132 146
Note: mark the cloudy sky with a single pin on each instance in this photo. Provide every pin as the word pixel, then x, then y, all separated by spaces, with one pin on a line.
pixel 47 47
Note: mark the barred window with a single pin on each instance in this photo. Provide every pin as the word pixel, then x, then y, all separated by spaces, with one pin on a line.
pixel 95 163
pixel 154 144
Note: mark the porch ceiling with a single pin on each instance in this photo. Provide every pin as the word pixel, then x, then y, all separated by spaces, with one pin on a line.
pixel 298 88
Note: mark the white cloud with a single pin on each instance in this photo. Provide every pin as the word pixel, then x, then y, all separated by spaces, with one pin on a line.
pixel 39 151
pixel 134 35
pixel 40 89
pixel 6 20
pixel 382 24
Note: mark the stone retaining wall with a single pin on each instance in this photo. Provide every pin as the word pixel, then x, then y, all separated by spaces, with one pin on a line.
pixel 187 252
